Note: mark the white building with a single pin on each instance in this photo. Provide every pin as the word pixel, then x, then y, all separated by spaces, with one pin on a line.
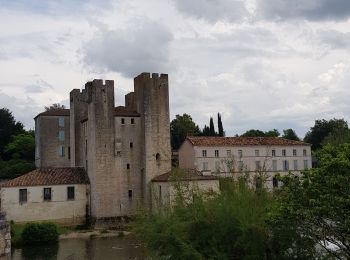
pixel 232 156
pixel 47 194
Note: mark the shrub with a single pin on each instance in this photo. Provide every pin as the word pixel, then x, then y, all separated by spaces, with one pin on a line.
pixel 35 233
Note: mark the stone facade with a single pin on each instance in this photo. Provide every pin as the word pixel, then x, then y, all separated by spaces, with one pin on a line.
pixel 5 238
pixel 121 148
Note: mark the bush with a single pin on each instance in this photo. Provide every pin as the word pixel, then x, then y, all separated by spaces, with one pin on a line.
pixel 35 233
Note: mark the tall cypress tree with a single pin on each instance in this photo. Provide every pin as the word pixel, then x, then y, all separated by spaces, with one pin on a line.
pixel 211 127
pixel 220 127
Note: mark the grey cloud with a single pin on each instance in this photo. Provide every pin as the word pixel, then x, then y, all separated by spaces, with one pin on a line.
pixel 141 47
pixel 334 39
pixel 38 87
pixel 214 10
pixel 313 10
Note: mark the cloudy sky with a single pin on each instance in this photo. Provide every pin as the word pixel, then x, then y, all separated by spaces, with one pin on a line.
pixel 263 64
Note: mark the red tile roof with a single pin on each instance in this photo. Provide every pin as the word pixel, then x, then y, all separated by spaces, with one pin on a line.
pixel 50 176
pixel 123 111
pixel 183 175
pixel 240 141
pixel 55 112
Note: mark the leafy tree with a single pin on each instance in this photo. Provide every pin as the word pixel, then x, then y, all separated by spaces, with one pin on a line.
pixel 180 127
pixel 324 128
pixel 212 128
pixel 21 147
pixel 220 127
pixel 290 134
pixel 337 137
pixel 206 131
pixel 55 106
pixel 253 133
pixel 8 128
pixel 272 133
pixel 314 209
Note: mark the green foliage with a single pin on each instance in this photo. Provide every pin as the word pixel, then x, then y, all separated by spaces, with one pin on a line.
pixel 15 167
pixel 55 106
pixel 180 127
pixel 220 127
pixel 272 133
pixel 36 233
pixel 333 129
pixel 212 127
pixel 22 146
pixel 8 128
pixel 259 133
pixel 229 225
pixel 315 207
pixel 290 134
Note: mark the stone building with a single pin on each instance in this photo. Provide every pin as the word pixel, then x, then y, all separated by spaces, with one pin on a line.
pixel 121 148
pixel 233 156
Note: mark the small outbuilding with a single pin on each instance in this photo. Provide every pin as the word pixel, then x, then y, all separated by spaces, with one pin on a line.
pixel 47 194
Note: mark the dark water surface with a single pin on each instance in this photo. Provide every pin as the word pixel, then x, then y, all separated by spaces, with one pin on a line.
pixel 91 249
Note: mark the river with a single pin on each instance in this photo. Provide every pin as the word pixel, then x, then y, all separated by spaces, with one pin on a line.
pixel 80 249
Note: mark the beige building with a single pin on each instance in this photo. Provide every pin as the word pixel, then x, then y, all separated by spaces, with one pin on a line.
pixel 54 194
pixel 233 156
pixel 166 187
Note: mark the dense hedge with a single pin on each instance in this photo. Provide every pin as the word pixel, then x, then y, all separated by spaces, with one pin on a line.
pixel 35 233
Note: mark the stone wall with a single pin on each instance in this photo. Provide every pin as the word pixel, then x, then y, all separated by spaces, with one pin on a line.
pixel 5 238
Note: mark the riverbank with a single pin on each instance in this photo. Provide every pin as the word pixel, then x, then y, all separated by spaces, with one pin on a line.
pixel 85 234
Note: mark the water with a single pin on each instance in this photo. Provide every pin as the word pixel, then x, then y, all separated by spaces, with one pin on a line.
pixel 79 249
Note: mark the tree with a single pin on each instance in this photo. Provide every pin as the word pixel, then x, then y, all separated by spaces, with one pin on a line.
pixel 290 134
pixel 181 127
pixel 55 106
pixel 253 133
pixel 8 128
pixel 324 128
pixel 212 128
pixel 272 133
pixel 313 210
pixel 206 131
pixel 220 127
pixel 21 147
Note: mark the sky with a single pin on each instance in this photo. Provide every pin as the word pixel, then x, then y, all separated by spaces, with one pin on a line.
pixel 262 64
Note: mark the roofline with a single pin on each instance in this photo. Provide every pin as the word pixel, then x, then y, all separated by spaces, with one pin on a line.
pixel 209 178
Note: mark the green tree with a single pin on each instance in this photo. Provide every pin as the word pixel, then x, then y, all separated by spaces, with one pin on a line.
pixel 211 127
pixel 8 128
pixel 206 131
pixel 21 147
pixel 290 134
pixel 272 133
pixel 55 106
pixel 220 127
pixel 315 208
pixel 324 128
pixel 253 133
pixel 181 127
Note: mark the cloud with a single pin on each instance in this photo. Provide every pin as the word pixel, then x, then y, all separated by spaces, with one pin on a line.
pixel 214 10
pixel 312 10
pixel 144 46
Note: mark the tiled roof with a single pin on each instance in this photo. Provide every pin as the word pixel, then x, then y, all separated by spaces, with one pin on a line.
pixel 123 111
pixel 240 141
pixel 183 175
pixel 55 112
pixel 50 176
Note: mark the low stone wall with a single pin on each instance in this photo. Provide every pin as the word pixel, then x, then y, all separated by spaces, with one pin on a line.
pixel 5 238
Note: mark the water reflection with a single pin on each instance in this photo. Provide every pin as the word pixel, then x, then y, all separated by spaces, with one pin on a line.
pixel 92 249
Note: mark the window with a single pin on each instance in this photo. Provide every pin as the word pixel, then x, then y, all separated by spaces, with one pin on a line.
pixel 22 195
pixel 257 165
pixel 240 153
pixel 61 135
pixel 130 194
pixel 257 153
pixel 284 152
pixel 70 193
pixel 274 182
pixel 216 153
pixel 131 144
pixel 295 165
pixel 47 194
pixel 61 150
pixel 274 165
pixel 160 193
pixel 122 121
pixel 128 166
pixel 273 152
pixel 204 153
pixel 132 121
pixel 304 152
pixel 228 152
pixel 217 166
pixel 205 166
pixel 85 148
pixel 306 164
pixel 240 166
pixel 119 153
pixel 61 121
pixel 68 152
pixel 285 165
pixel 294 152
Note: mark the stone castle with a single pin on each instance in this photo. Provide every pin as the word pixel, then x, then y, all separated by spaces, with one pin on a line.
pixel 121 148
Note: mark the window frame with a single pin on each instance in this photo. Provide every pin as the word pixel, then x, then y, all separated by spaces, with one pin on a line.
pixel 21 199
pixel 50 193
pixel 204 153
pixel 69 193
pixel 216 153
pixel 284 152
